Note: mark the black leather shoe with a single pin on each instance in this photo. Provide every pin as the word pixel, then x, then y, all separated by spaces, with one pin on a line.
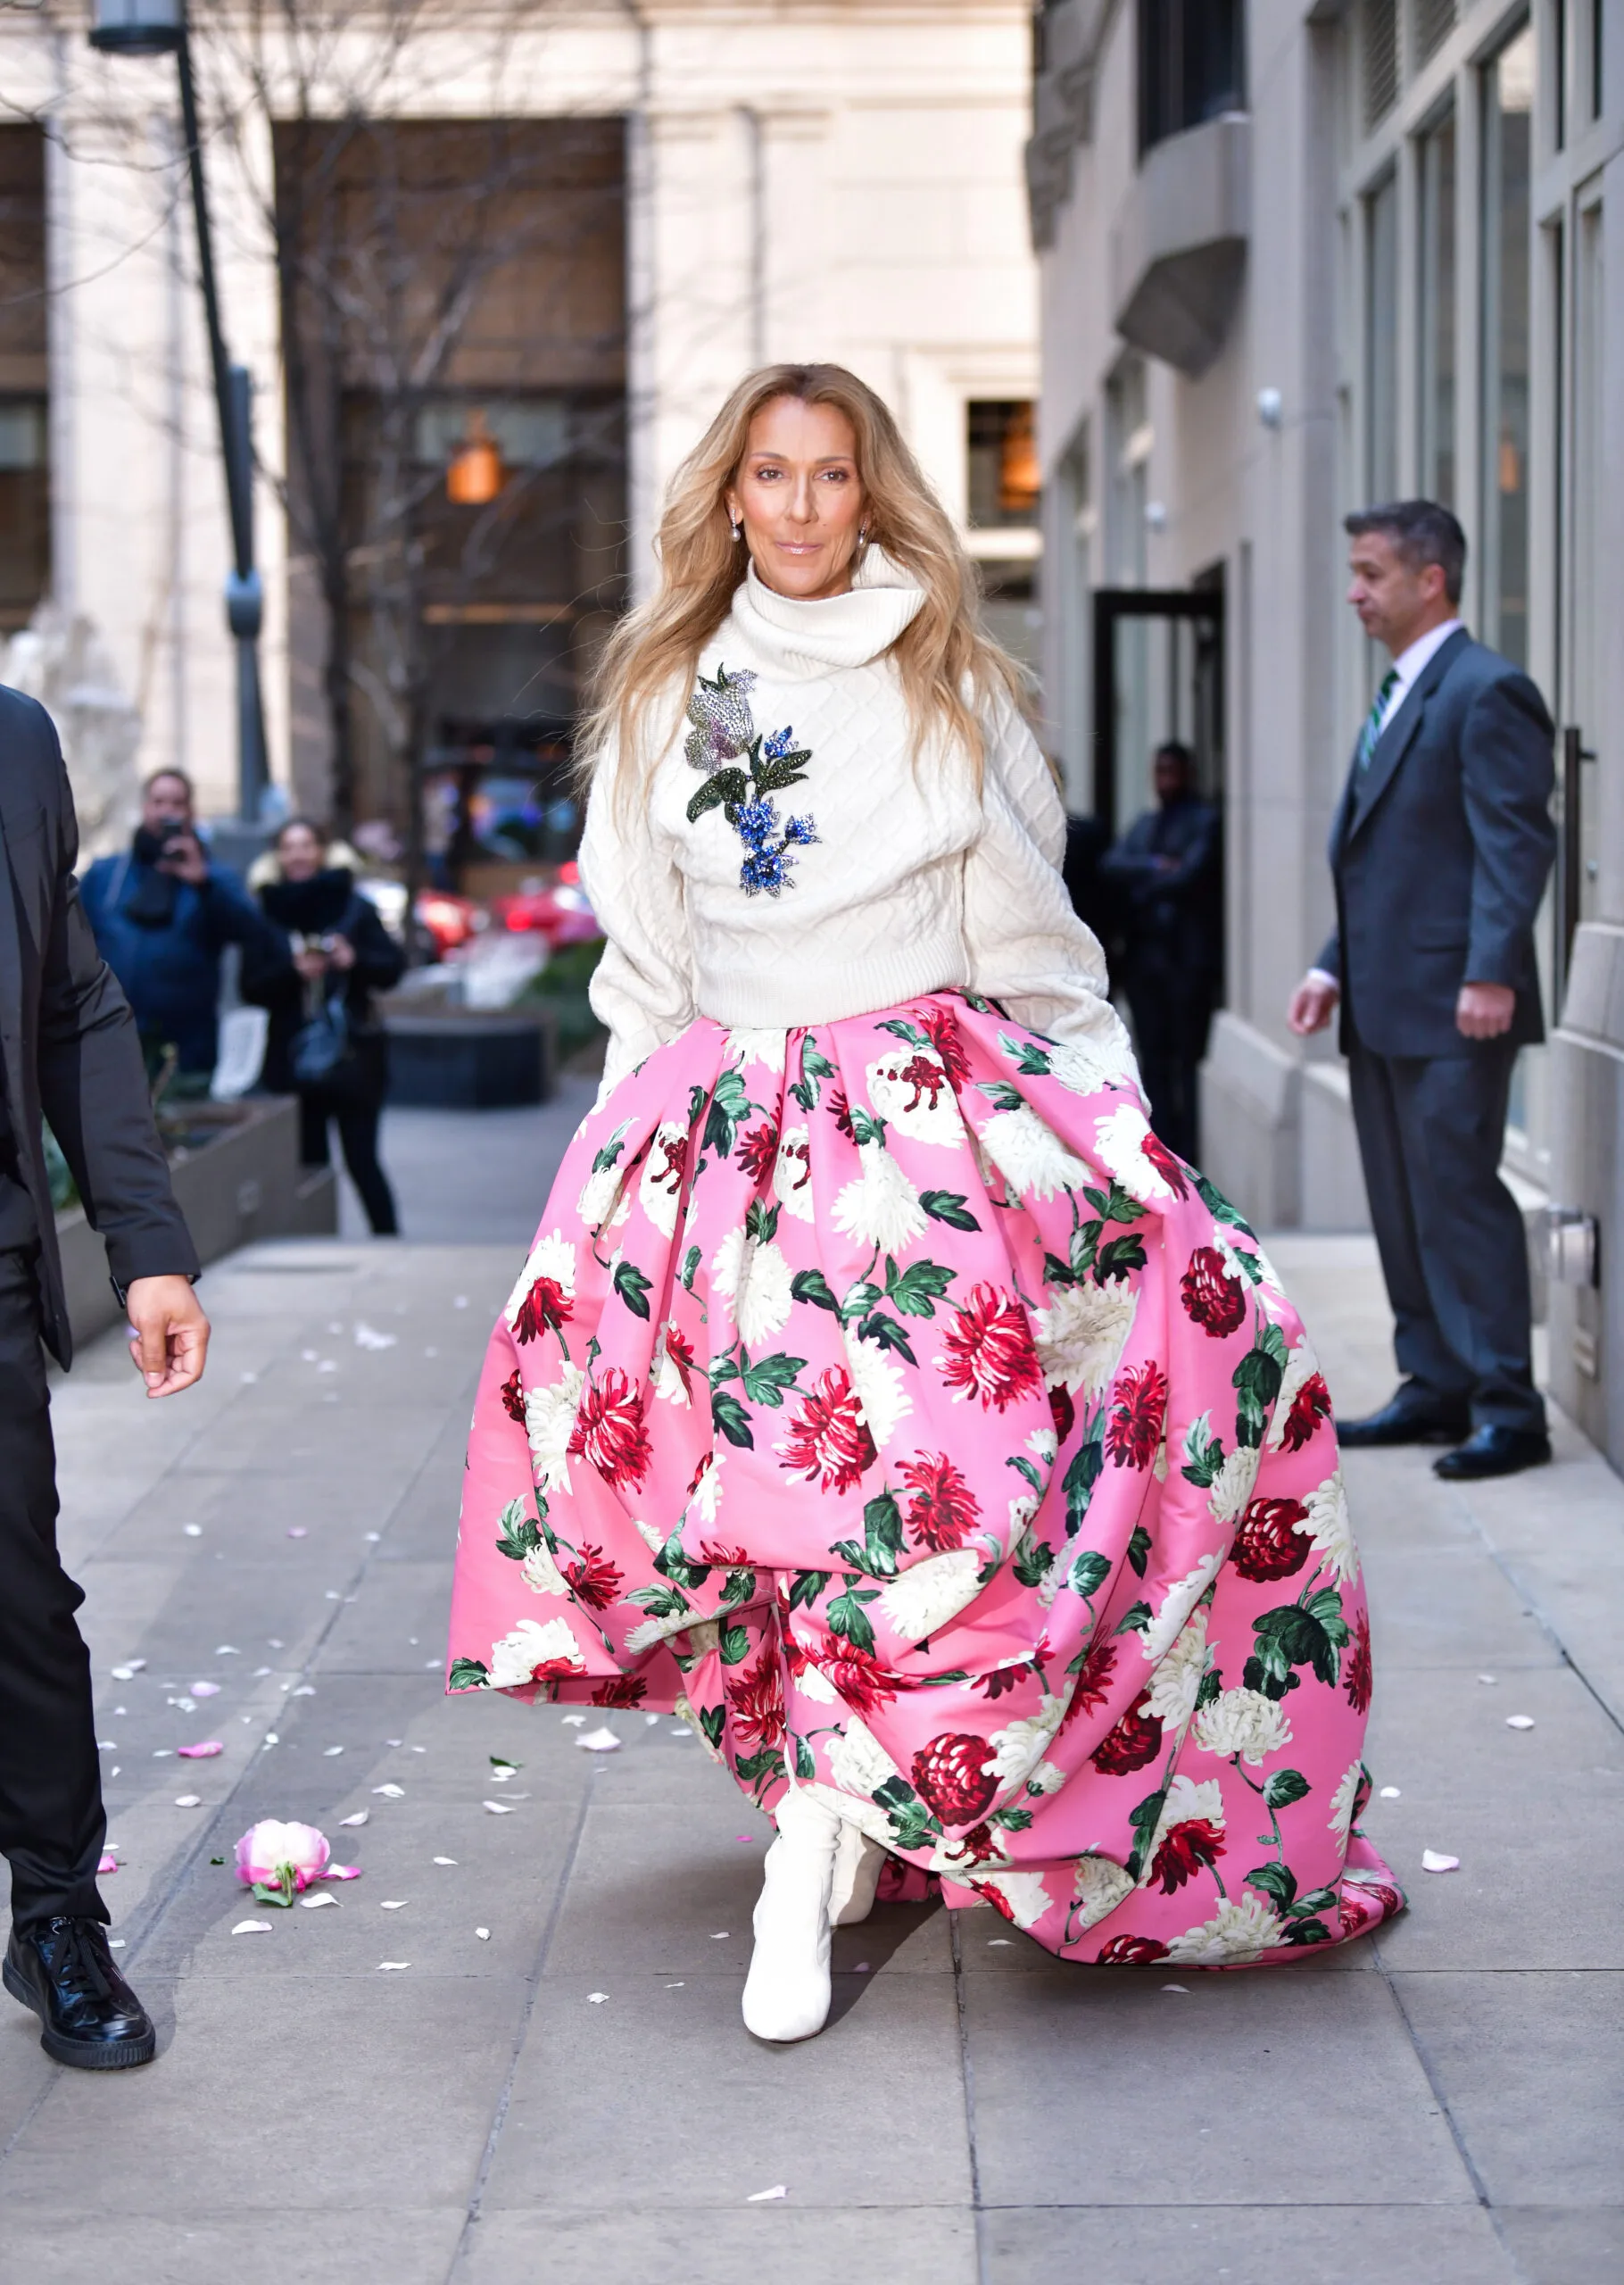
pixel 1410 1417
pixel 64 1970
pixel 1494 1452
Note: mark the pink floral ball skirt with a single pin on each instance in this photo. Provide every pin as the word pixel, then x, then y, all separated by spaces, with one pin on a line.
pixel 886 1402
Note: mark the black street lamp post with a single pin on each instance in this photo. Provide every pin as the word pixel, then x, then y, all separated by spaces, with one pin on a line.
pixel 159 27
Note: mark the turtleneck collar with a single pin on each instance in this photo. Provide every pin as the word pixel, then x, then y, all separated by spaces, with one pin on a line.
pixel 799 639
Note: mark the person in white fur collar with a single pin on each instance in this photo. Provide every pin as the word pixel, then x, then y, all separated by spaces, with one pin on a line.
pixel 880 1395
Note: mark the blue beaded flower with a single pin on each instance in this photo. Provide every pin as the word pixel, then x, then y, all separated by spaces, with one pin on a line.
pixel 722 736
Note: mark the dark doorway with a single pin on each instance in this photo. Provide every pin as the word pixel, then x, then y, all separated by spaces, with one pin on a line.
pixel 1158 674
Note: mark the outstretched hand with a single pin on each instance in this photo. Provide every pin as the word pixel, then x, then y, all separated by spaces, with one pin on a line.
pixel 1313 1003
pixel 169 1333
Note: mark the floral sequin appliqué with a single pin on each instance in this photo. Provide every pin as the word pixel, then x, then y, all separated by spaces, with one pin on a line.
pixel 724 737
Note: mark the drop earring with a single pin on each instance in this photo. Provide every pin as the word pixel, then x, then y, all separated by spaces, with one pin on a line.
pixel 736 528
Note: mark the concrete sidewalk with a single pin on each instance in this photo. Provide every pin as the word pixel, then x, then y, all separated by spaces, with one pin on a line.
pixel 574 2098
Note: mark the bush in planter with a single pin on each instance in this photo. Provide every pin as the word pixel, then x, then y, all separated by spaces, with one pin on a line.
pixel 564 981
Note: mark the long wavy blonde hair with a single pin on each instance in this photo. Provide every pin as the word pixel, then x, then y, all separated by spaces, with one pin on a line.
pixel 951 671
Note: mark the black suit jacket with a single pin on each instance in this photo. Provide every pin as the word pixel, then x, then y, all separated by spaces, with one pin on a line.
pixel 67 1036
pixel 1439 852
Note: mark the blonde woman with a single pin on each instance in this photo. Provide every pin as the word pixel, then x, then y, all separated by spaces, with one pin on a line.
pixel 880 1395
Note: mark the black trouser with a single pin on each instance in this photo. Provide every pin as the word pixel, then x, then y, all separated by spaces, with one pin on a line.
pixel 1172 1013
pixel 52 1822
pixel 1454 1252
pixel 358 1126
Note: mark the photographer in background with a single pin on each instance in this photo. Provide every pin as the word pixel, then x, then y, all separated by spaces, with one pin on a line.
pixel 162 913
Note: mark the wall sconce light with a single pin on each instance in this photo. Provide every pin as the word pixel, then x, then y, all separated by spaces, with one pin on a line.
pixel 475 474
pixel 1155 515
pixel 1271 408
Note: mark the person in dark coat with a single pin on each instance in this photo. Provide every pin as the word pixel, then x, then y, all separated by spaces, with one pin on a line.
pixel 328 952
pixel 1167 872
pixel 163 912
pixel 1440 853
pixel 67 1053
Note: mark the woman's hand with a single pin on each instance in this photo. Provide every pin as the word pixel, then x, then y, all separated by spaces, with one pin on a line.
pixel 312 963
pixel 341 951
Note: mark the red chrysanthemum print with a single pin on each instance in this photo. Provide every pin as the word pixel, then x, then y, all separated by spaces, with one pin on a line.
pixel 858 1679
pixel 955 1778
pixel 1214 1298
pixel 943 1511
pixel 679 1349
pixel 1093 1680
pixel 666 1173
pixel 977 1847
pixel 1133 1744
pixel 989 1351
pixel 1063 1411
pixel 620 1690
pixel 756 1150
pixel 543 1309
pixel 593 1579
pixel 727 1557
pixel 755 1701
pixel 1356 1678
pixel 513 1397
pixel 1309 1406
pixel 828 1441
pixel 1184 1850
pixel 1139 1406
pixel 839 1110
pixel 925 1079
pixel 1172 1171
pixel 999 1679
pixel 1265 1545
pixel 610 1432
pixel 941 1027
pixel 1130 1951
pixel 1366 1904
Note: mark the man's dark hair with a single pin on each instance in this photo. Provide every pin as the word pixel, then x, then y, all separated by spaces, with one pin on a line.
pixel 1175 750
pixel 180 776
pixel 1422 533
pixel 308 824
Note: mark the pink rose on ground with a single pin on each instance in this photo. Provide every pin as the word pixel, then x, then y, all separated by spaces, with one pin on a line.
pixel 277 1860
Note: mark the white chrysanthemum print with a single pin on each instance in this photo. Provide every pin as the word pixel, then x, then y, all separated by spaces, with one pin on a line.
pixel 1103 1059
pixel 1330 1528
pixel 541 1574
pixel 1301 1365
pixel 812 1683
pixel 1181 1599
pixel 550 1419
pixel 754 1277
pixel 1047 1778
pixel 706 1494
pixel 669 1385
pixel 746 1047
pixel 791 1175
pixel 1241 1928
pixel 652 1538
pixel 930 1592
pixel 882 1207
pixel 1231 1487
pixel 1019 1746
pixel 1187 1802
pixel 910 1091
pixel 647 1631
pixel 553 1256
pixel 1023 1892
pixel 1243 1722
pixel 662 1187
pixel 1119 1145
pixel 880 1390
pixel 1082 1334
pixel 1341 1818
pixel 515 1659
pixel 603 1186
pixel 1030 1156
pixel 1176 1682
pixel 1043 1444
pixel 857 1762
pixel 1098 1887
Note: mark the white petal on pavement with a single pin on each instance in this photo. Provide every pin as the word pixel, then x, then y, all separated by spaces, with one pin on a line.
pixel 1433 1861
pixel 1184 1988
pixel 189 1801
pixel 483 1935
pixel 252 1928
pixel 360 1818
pixel 1391 1793
pixel 391 1792
pixel 596 1998
pixel 445 1860
pixel 573 1721
pixel 385 1966
pixel 761 2196
pixel 392 1904
pixel 315 1903
pixel 603 1741
pixel 1519 1721
pixel 500 1808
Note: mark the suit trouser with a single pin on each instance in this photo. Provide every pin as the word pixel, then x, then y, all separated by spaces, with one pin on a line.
pixel 52 1822
pixel 1453 1249
pixel 1173 1015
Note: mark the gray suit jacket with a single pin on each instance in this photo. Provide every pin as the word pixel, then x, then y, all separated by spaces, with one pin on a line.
pixel 1440 853
pixel 67 1038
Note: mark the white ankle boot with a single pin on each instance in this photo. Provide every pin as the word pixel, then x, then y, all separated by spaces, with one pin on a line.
pixel 786 1993
pixel 859 1863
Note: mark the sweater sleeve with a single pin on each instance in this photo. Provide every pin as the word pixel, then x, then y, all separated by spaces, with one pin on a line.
pixel 1025 945
pixel 643 989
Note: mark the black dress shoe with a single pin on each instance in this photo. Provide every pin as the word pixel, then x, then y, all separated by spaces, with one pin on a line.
pixel 64 1970
pixel 1494 1452
pixel 1410 1417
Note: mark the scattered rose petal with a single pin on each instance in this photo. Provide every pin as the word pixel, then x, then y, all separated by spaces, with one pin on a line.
pixel 360 1818
pixel 392 1904
pixel 129 1672
pixel 1390 1793
pixel 205 1689
pixel 596 1998
pixel 373 1536
pixel 483 1935
pixel 342 1873
pixel 115 1943
pixel 681 1730
pixel 862 1968
pixel 501 1776
pixel 252 1928
pixel 761 2196
pixel 297 1531
pixel 309 1356
pixel 573 1721
pixel 674 1987
pixel 271 1738
pixel 391 1792
pixel 326 1366
pixel 445 1860
pixel 315 1903
pixel 1519 1721
pixel 499 1808
pixel 460 1301
pixel 275 1642
pixel 384 1966
pixel 206 1752
pixel 648 1720
pixel 162 1753
pixel 1432 1861
pixel 1488 1678
pixel 189 1801
pixel 193 1530
pixel 109 1864
pixel 187 1705
pixel 746 1837
pixel 1184 1988
pixel 226 1650
pixel 368 1337
pixel 107 1745
pixel 603 1741
pixel 328 1751
pixel 720 1936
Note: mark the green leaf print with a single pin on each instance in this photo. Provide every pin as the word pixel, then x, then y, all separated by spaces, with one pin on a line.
pixel 1116 1204
pixel 806 1760
pixel 730 1420
pixel 612 1148
pixel 1134 1621
pixel 1027 1470
pixel 469 1674
pixel 691 1262
pixel 659 1602
pixel 917 1290
pixel 633 1288
pixel 805 1586
pixel 733 1645
pixel 1083 1474
pixel 1144 1820
pixel 885 1333
pixel 1088 1573
pixel 760 1221
pixel 740 1588
pixel 727 786
pixel 1282 1787
pixel 1139 1550
pixel 1203 1452
pixel 730 1107
pixel 1119 1257
pixel 765 1381
pixel 673 1564
pixel 949 1206
pixel 845 1615
pixel 1278 1883
pixel 1258 1381
pixel 713 1721
pixel 759 1768
pixel 1057 1272
pixel 519 1531
pixel 1305 1931
pixel 882 1542
pixel 1028 1057
pixel 1033 1561
pixel 1000 1094
pixel 1294 1636
pixel 812 1286
pixel 865 1127
pixel 1012 1820
pixel 859 1297
pixel 901 1029
pixel 1218 1206
pixel 912 1823
pixel 1211 1686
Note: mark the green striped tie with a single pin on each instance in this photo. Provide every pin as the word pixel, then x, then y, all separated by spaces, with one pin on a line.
pixel 1372 721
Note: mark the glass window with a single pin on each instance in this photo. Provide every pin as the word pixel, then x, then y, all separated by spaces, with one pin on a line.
pixel 1191 65
pixel 1381 341
pixel 1435 316
pixel 1507 138
pixel 1379 56
pixel 1006 477
pixel 1434 22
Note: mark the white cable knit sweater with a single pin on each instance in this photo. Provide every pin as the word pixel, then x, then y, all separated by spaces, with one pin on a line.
pixel 911 883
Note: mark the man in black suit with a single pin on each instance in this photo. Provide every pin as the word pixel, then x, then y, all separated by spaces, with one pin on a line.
pixel 69 1054
pixel 1167 871
pixel 1439 852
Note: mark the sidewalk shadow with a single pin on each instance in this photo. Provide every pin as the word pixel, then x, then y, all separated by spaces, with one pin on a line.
pixel 874 1941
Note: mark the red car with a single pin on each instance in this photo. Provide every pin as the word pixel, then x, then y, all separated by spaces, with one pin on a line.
pixel 561 913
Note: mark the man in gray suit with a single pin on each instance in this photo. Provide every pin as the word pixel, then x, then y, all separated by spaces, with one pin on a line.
pixel 1439 852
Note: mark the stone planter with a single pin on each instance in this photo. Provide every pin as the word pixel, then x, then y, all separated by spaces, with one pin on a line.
pixel 467 1058
pixel 236 1177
